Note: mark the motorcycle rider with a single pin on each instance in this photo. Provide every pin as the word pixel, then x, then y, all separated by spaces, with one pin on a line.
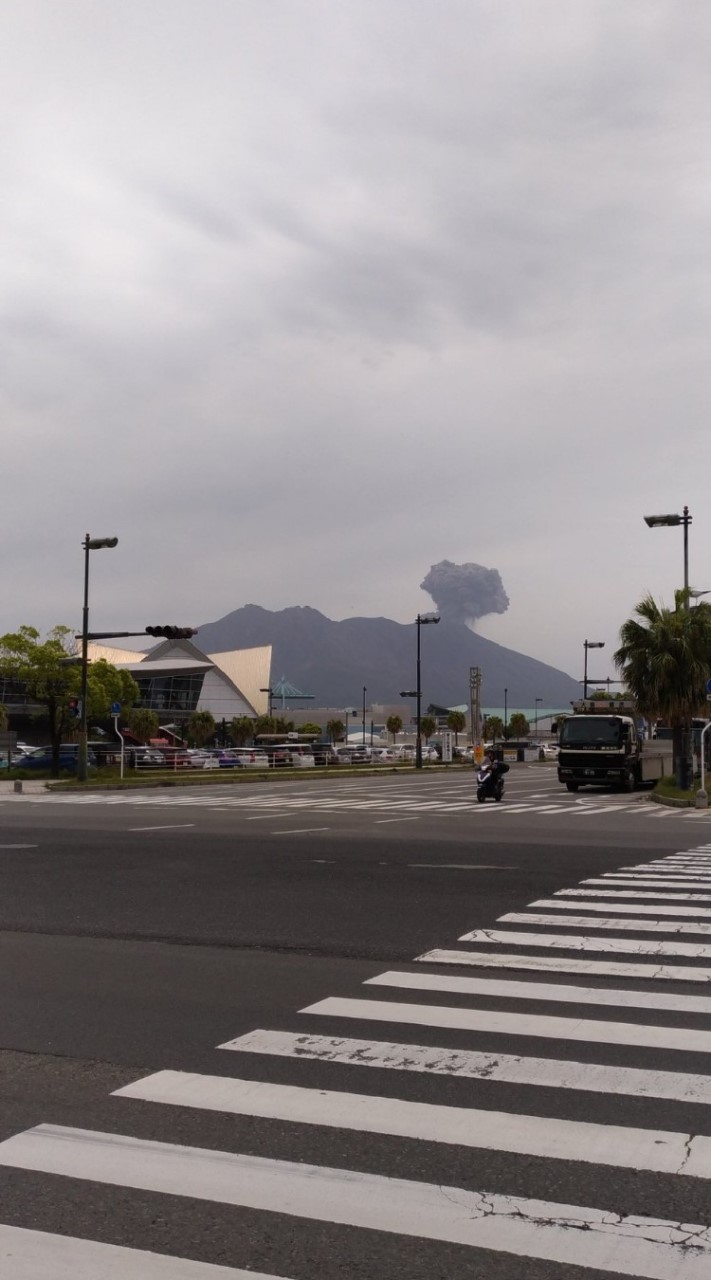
pixel 492 768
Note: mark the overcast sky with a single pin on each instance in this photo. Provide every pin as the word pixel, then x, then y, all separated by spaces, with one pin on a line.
pixel 300 297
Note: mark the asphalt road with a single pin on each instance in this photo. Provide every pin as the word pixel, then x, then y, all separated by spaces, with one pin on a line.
pixel 139 933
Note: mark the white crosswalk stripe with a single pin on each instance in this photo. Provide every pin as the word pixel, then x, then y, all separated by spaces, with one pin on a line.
pixel 483 1011
pixel 362 796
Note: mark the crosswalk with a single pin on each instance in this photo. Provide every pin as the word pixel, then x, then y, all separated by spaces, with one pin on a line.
pixel 366 797
pixel 487 1045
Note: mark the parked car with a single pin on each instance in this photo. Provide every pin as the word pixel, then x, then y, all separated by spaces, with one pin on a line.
pixel 302 757
pixel 41 758
pixel 324 753
pixel 550 750
pixel 144 758
pixel 201 759
pixel 251 758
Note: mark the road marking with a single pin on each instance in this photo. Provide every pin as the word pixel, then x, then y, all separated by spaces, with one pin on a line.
pixel 298 831
pixel 614 922
pixel 36 1255
pixel 425 1059
pixel 616 1146
pixel 648 882
pixel 19 846
pixel 266 817
pixel 573 1235
pixel 553 991
pixel 629 908
pixel 561 964
pixel 630 893
pixel 171 826
pixel 541 1026
pixel 382 822
pixel 568 942
pixel 463 866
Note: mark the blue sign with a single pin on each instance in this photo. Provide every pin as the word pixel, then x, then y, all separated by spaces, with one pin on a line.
pixel 708 686
pixel 116 708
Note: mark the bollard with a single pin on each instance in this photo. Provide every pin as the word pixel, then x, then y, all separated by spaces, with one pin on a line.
pixel 702 799
pixel 17 786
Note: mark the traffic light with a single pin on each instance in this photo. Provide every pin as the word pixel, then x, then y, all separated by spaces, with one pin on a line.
pixel 172 633
pixel 74 707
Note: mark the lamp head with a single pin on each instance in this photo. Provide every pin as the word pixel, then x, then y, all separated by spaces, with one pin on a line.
pixel 658 522
pixel 423 619
pixel 594 644
pixel 95 544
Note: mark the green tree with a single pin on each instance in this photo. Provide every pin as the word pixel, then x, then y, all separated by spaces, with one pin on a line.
pixel 310 728
pixel 265 724
pixel 51 675
pixel 242 730
pixel 664 658
pixel 494 727
pixel 456 722
pixel 335 730
pixel 393 724
pixel 143 723
pixel 518 726
pixel 201 727
pixel 428 726
pixel 107 684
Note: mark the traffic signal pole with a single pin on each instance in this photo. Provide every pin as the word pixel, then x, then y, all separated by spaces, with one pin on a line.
pixel 168 632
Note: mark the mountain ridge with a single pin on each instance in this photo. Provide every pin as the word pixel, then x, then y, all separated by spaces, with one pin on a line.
pixel 335 660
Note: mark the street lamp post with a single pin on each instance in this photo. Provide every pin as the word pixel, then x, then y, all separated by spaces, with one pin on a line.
pixel 89 544
pixel 364 693
pixel 422 620
pixel 535 713
pixel 673 519
pixel 270 692
pixel 589 644
pixel 506 713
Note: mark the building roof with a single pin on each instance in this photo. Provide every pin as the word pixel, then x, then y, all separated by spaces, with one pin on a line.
pixel 247 669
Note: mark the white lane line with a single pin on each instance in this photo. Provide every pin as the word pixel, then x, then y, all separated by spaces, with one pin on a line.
pixel 38 1255
pixel 465 866
pixel 562 964
pixel 172 826
pixel 629 908
pixel 660 873
pixel 616 1146
pixel 298 831
pixel 509 1068
pixel 542 1026
pixel 553 991
pixel 568 942
pixel 19 846
pixel 632 893
pixel 648 882
pixel 590 922
pixel 383 822
pixel 266 817
pixel 573 1235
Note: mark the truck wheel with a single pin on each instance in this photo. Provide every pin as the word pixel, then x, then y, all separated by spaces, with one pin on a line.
pixel 572 786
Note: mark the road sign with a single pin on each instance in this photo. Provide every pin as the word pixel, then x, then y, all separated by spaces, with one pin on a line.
pixel 708 686
pixel 116 708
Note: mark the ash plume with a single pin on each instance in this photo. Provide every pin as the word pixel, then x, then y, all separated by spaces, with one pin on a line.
pixel 465 592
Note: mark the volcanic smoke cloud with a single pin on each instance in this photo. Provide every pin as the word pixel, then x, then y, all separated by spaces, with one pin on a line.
pixel 465 592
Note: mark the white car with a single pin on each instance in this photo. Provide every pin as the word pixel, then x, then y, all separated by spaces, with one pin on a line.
pixel 550 750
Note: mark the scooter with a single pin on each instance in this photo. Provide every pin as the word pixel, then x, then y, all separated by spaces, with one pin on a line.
pixel 490 782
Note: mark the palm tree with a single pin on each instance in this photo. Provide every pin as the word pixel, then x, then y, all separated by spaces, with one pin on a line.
pixel 456 723
pixel 393 724
pixel 665 658
pixel 335 730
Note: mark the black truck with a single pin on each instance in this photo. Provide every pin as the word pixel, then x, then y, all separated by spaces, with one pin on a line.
pixel 602 744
